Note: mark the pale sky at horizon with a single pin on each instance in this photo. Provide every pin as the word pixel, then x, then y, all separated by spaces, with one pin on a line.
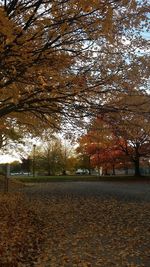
pixel 8 159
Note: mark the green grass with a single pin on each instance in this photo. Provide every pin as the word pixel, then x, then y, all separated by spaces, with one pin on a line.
pixel 67 178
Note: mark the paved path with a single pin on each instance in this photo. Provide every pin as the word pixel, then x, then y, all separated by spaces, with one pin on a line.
pixel 123 191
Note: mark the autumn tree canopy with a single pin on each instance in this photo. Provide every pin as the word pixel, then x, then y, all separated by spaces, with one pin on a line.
pixel 132 134
pixel 9 132
pixel 59 57
pixel 118 140
pixel 100 146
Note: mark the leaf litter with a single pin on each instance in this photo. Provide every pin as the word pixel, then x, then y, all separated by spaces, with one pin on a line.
pixel 72 231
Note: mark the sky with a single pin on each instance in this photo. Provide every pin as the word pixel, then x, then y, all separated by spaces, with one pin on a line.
pixel 8 159
pixel 14 152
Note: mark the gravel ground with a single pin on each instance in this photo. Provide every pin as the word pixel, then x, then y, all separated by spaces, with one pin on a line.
pixel 122 191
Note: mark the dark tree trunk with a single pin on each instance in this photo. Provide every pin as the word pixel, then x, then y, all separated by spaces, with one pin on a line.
pixel 89 168
pixel 137 167
pixel 49 168
pixel 89 171
pixel 113 168
pixel 126 170
pixel 49 172
pixel 64 172
pixel 105 172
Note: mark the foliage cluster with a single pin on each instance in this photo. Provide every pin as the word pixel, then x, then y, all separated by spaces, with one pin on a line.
pixel 54 157
pixel 63 59
pixel 117 141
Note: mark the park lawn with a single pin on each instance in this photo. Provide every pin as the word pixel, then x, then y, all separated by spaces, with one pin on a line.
pixel 70 178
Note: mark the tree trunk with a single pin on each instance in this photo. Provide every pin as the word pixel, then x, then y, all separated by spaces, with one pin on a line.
pixel 49 172
pixel 113 167
pixel 89 171
pixel 126 170
pixel 6 178
pixel 105 171
pixel 137 167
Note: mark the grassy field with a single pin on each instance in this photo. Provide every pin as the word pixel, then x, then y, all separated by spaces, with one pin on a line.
pixel 70 178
